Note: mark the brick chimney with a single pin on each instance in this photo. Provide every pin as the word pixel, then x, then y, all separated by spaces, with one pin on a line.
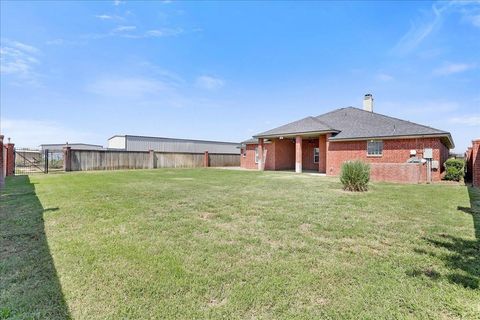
pixel 368 102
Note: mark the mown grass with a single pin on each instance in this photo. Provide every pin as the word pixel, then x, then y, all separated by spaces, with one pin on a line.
pixel 231 244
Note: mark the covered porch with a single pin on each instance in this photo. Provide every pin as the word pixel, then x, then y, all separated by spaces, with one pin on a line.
pixel 302 153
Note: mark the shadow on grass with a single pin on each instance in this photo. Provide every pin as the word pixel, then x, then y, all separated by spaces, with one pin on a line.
pixel 29 285
pixel 464 257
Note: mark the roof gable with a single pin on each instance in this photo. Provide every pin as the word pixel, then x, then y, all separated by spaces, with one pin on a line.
pixel 305 125
pixel 358 123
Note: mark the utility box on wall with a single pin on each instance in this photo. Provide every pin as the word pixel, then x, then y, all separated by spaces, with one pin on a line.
pixel 427 153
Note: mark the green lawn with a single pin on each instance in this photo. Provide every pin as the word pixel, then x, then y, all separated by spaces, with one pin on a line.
pixel 209 243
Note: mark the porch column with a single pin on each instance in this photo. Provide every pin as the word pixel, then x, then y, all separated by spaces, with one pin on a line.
pixel 328 168
pixel 298 154
pixel 260 154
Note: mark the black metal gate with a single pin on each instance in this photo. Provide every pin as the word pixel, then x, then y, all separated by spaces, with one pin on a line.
pixel 30 161
pixel 53 161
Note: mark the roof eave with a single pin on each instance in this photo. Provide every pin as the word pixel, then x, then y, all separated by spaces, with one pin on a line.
pixel 432 135
pixel 293 134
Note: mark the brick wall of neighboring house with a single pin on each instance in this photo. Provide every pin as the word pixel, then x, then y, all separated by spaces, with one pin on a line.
pixel 394 151
pixel 476 163
pixel 468 164
pixel 2 172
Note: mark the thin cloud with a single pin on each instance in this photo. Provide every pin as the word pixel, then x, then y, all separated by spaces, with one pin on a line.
pixel 475 20
pixel 23 47
pixel 132 33
pixel 384 77
pixel 20 130
pixel 164 32
pixel 60 42
pixel 127 87
pixel 421 29
pixel 118 2
pixel 109 17
pixel 209 82
pixel 453 68
pixel 471 121
pixel 18 59
pixel 124 28
pixel 471 13
pixel 429 22
pixel 104 17
pixel 405 109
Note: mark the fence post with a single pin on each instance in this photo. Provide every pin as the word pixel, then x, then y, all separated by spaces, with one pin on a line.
pixel 206 163
pixel 10 159
pixel 67 159
pixel 151 159
pixel 2 172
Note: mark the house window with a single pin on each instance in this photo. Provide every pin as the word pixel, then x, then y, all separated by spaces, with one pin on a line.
pixel 256 154
pixel 316 155
pixel 244 152
pixel 374 148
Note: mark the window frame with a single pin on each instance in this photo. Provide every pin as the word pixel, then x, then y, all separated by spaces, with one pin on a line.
pixel 256 155
pixel 316 153
pixel 377 149
pixel 244 152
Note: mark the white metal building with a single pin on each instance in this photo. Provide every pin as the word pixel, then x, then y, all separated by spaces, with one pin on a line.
pixel 77 146
pixel 142 143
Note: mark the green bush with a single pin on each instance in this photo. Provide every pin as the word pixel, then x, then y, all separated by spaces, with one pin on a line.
pixel 454 169
pixel 355 175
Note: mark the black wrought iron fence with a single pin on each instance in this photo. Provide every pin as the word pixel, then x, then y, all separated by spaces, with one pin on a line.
pixel 30 161
pixel 53 160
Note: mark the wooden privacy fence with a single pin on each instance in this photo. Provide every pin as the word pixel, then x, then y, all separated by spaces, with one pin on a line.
pixel 84 160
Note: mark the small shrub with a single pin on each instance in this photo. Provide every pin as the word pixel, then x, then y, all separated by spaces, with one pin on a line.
pixel 355 175
pixel 454 169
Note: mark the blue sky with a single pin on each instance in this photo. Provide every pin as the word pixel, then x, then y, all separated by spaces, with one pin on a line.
pixel 84 71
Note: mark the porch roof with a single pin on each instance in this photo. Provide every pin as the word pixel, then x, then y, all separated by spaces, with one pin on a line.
pixel 302 126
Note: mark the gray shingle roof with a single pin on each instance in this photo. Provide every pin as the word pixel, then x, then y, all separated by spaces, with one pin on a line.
pixel 308 124
pixel 250 141
pixel 353 123
pixel 358 123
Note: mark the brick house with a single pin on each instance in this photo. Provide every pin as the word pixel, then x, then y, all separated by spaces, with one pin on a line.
pixel 324 142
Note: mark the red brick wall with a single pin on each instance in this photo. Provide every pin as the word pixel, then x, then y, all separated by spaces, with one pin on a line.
pixel 308 146
pixel 2 166
pixel 476 163
pixel 284 154
pixel 468 164
pixel 322 165
pixel 394 151
pixel 9 159
pixel 270 160
pixel 248 162
pixel 397 172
